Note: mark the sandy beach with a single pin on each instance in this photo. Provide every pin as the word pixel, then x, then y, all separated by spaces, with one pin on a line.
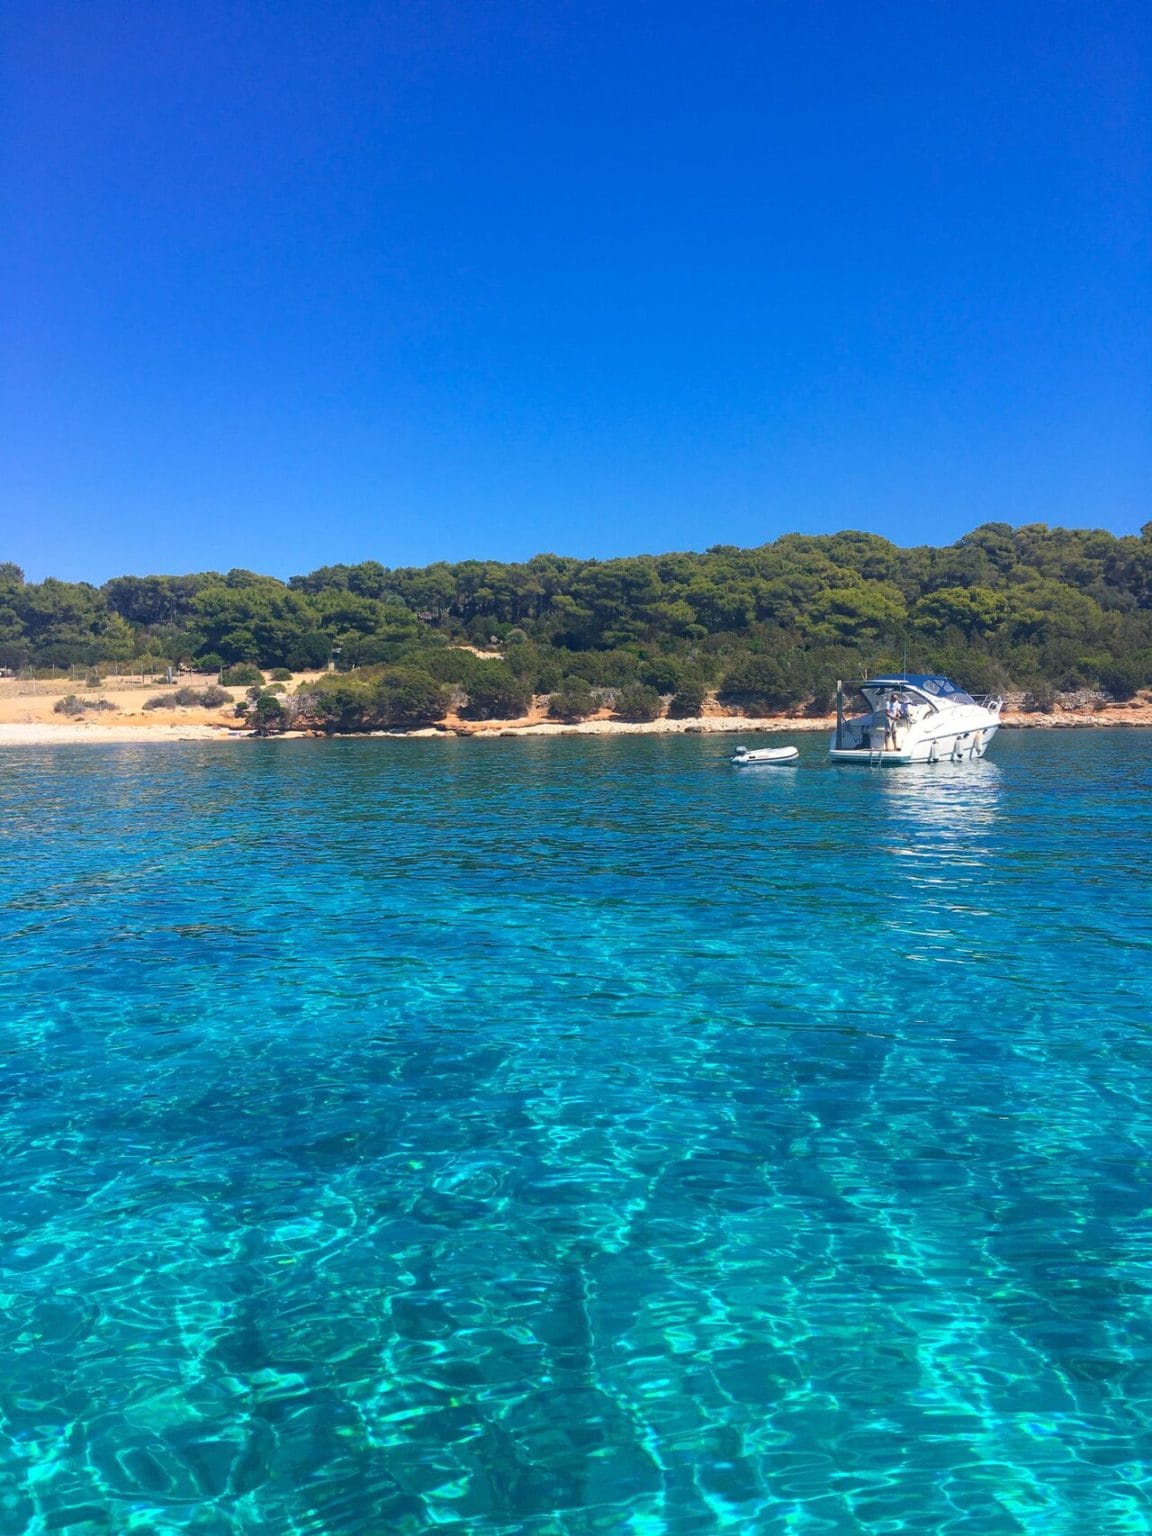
pixel 21 734
pixel 28 715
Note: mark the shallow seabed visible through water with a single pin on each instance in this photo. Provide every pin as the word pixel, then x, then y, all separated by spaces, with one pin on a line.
pixel 571 1136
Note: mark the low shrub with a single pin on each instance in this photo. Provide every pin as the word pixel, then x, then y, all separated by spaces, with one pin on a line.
pixel 190 698
pixel 280 675
pixel 393 698
pixel 637 702
pixel 574 700
pixel 268 715
pixel 495 693
pixel 821 700
pixel 336 703
pixel 1123 678
pixel 687 702
pixel 539 669
pixel 759 681
pixel 664 673
pixel 68 705
pixel 604 669
pixel 409 696
pixel 243 673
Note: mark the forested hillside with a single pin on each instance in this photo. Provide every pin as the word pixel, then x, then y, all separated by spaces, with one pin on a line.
pixel 1035 608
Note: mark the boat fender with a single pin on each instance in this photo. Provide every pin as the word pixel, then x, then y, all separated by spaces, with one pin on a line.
pixel 933 753
pixel 957 751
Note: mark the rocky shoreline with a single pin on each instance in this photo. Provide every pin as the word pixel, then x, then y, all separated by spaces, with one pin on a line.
pixel 1110 717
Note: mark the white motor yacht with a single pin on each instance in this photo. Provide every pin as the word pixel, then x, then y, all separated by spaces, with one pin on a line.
pixel 913 719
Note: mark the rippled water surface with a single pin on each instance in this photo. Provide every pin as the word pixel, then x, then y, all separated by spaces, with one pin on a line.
pixel 575 1136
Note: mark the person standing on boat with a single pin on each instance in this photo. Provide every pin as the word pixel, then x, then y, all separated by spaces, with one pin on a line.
pixel 891 717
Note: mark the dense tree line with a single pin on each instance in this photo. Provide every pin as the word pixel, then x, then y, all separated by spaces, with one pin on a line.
pixel 1034 608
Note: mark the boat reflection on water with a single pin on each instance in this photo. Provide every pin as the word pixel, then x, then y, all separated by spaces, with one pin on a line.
pixel 950 813
pixel 941 833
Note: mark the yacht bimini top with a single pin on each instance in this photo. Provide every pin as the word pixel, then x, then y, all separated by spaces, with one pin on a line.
pixel 933 687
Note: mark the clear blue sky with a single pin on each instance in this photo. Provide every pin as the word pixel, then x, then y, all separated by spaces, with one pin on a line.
pixel 289 283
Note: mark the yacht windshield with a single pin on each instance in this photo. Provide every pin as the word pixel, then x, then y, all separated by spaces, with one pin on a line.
pixel 941 688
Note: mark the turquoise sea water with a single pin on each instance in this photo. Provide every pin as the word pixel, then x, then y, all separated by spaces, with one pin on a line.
pixel 575 1136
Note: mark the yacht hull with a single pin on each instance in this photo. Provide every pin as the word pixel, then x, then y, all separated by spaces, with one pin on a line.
pixel 950 746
